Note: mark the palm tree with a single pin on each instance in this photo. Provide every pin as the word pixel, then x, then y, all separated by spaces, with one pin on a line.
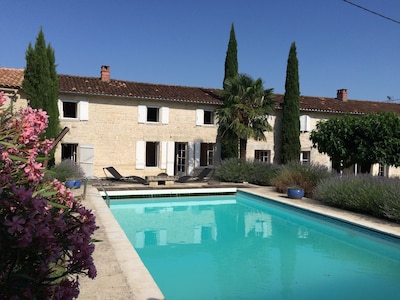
pixel 246 109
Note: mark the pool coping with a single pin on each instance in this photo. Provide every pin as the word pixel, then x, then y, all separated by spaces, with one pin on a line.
pixel 129 278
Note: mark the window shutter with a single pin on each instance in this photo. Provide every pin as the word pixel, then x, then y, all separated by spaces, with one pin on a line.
pixel 305 123
pixel 199 117
pixel 86 159
pixel 60 108
pixel 191 158
pixel 163 164
pixel 164 115
pixel 197 149
pixel 140 154
pixel 142 114
pixel 170 158
pixel 84 110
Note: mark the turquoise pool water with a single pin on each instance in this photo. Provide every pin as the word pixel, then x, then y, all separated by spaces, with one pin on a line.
pixel 248 247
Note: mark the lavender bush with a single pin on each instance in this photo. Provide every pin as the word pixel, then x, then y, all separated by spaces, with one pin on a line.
pixel 237 170
pixel 377 196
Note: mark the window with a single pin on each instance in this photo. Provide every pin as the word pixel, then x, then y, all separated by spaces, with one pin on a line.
pixel 181 157
pixel 74 110
pixel 207 154
pixel 208 117
pixel 70 109
pixel 152 149
pixel 305 157
pixel 69 151
pixel 383 170
pixel 204 117
pixel 262 155
pixel 152 114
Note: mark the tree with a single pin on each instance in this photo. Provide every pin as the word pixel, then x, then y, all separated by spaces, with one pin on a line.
pixel 40 82
pixel 365 140
pixel 247 105
pixel 231 61
pixel 290 147
pixel 229 140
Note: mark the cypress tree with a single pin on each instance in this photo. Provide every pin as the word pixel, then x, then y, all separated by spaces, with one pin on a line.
pixel 52 106
pixel 40 83
pixel 229 140
pixel 290 147
pixel 231 61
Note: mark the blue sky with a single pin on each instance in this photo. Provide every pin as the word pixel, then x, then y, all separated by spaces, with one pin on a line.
pixel 184 42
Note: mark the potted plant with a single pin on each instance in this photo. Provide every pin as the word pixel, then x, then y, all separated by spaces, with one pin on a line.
pixel 295 192
pixel 69 172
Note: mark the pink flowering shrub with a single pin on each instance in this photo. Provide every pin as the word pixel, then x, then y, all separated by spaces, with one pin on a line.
pixel 45 233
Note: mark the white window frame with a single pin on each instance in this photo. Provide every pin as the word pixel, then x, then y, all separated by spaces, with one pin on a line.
pixel 200 117
pixel 266 157
pixel 383 170
pixel 163 114
pixel 209 154
pixel 82 110
pixel 305 159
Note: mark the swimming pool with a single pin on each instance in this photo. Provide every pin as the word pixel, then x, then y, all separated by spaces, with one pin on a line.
pixel 246 247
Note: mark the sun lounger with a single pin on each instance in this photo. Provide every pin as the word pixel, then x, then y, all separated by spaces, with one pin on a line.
pixel 117 176
pixel 201 177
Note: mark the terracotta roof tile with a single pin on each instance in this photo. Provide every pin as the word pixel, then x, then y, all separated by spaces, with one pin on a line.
pixel 119 88
pixel 333 105
pixel 12 78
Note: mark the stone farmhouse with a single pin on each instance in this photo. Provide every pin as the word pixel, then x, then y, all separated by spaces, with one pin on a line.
pixel 145 129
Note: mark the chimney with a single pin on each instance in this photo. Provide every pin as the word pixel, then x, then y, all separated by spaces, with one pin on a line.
pixel 105 73
pixel 342 95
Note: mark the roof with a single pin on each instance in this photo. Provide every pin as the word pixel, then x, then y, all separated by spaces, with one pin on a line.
pixel 333 105
pixel 139 90
pixel 12 78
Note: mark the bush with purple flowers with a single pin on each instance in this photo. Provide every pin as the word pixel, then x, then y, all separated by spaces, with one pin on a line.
pixel 45 233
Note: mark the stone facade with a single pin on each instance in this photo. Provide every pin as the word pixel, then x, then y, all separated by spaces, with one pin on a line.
pixel 111 133
pixel 146 129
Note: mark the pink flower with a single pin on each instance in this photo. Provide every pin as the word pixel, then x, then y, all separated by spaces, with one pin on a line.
pixel 2 98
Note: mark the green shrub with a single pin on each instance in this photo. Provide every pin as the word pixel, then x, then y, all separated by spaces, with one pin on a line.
pixel 236 170
pixel 297 175
pixel 231 170
pixel 65 169
pixel 376 196
pixel 261 173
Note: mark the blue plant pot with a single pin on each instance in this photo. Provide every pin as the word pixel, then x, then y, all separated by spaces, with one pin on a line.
pixel 295 193
pixel 73 183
